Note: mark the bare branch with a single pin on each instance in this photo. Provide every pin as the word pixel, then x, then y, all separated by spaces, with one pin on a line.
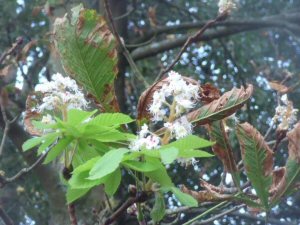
pixel 121 44
pixel 5 218
pixel 4 181
pixel 12 50
pixel 190 40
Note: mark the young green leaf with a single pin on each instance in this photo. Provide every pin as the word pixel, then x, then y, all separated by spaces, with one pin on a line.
pixel 146 166
pixel 112 182
pixel 184 198
pixel 258 160
pixel 168 155
pixel 74 194
pixel 47 141
pixel 77 116
pixel 158 211
pixel 189 142
pixel 58 149
pixel 107 163
pixel 31 143
pixel 111 119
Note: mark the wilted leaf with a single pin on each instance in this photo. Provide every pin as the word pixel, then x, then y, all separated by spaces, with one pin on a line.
pixel 31 114
pixel 206 196
pixel 258 160
pixel 223 149
pixel 292 167
pixel 225 106
pixel 147 96
pixel 275 85
pixel 209 93
pixel 88 52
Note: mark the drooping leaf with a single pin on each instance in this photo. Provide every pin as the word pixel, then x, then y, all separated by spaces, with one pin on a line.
pixel 168 155
pixel 77 116
pixel 184 198
pixel 146 166
pixel 48 140
pixel 158 211
pixel 291 175
pixel 31 143
pixel 88 52
pixel 225 106
pixel 222 149
pixel 111 119
pixel 107 163
pixel 147 96
pixel 74 194
pixel 209 93
pixel 258 160
pixel 58 149
pixel 112 182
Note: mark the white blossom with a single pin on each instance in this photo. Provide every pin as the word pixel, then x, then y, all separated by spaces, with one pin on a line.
pixel 285 114
pixel 183 95
pixel 145 139
pixel 185 162
pixel 180 128
pixel 227 5
pixel 60 92
pixel 47 119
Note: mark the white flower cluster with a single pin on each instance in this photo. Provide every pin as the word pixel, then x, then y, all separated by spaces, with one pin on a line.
pixel 145 139
pixel 285 114
pixel 61 92
pixel 180 128
pixel 227 5
pixel 184 96
pixel 187 162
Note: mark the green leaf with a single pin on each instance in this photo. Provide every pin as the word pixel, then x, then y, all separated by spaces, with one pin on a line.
pixel 194 153
pixel 111 119
pixel 168 155
pixel 158 211
pixel 58 149
pixel 225 106
pixel 88 52
pixel 74 194
pixel 107 164
pixel 258 160
pixel 41 126
pixel 145 166
pixel 184 198
pixel 189 142
pixel 30 143
pixel 160 175
pixel 112 182
pixel 49 139
pixel 77 116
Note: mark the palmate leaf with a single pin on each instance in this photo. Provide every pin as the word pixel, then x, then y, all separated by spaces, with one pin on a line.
pixel 258 160
pixel 88 52
pixel 225 106
pixel 223 149
pixel 290 174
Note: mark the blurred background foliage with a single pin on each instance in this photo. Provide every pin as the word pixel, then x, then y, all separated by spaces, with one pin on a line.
pixel 263 45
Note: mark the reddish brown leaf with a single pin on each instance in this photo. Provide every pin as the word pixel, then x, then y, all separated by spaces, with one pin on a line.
pixel 275 85
pixel 294 143
pixel 258 143
pixel 278 181
pixel 147 96
pixel 223 107
pixel 31 114
pixel 205 196
pixel 209 93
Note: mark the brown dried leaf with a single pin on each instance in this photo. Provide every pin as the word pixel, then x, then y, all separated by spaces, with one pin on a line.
pixel 275 85
pixel 258 143
pixel 209 93
pixel 278 181
pixel 223 107
pixel 205 196
pixel 294 143
pixel 31 115
pixel 147 96
pixel 27 48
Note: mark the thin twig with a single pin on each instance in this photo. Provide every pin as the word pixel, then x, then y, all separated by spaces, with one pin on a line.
pixel 217 216
pixel 4 181
pixel 121 44
pixel 72 214
pixel 7 124
pixel 190 40
pixel 5 218
pixel 11 51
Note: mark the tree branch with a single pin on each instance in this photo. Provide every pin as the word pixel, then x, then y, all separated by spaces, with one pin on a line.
pixel 222 29
pixel 5 218
pixel 12 50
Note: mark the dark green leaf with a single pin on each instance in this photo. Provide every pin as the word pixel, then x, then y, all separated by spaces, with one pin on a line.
pixel 158 211
pixel 184 198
